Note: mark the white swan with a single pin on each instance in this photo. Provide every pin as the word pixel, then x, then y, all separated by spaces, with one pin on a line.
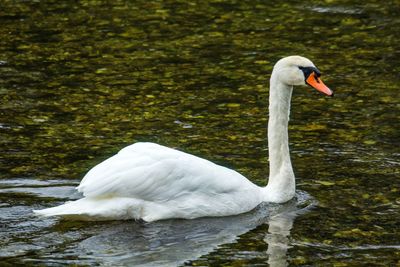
pixel 152 182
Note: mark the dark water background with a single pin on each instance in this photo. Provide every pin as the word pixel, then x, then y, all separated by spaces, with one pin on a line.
pixel 79 80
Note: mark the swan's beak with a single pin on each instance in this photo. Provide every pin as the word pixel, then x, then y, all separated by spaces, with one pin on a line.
pixel 314 81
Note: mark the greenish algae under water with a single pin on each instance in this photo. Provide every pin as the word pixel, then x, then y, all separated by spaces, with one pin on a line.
pixel 79 80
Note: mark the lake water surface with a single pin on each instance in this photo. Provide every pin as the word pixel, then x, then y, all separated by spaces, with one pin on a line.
pixel 79 80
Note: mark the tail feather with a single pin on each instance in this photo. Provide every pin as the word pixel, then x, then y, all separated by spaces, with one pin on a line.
pixel 95 209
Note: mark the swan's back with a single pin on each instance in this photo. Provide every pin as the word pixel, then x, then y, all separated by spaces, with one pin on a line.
pixel 153 182
pixel 157 173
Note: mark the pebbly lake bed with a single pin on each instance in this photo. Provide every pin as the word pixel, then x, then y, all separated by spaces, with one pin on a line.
pixel 79 80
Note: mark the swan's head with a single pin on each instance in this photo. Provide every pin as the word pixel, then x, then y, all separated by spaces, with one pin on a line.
pixel 297 70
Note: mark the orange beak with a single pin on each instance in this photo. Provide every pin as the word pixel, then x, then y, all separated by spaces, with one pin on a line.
pixel 317 83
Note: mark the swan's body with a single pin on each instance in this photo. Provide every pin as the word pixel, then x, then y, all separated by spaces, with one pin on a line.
pixel 152 182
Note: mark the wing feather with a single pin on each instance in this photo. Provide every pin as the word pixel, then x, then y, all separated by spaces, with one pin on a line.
pixel 153 172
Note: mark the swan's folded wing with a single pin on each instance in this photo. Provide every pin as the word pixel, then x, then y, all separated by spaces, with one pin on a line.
pixel 156 173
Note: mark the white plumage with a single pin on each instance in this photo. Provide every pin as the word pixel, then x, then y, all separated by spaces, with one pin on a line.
pixel 152 182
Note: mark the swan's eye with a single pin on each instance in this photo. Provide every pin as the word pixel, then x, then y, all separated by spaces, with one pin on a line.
pixel 308 70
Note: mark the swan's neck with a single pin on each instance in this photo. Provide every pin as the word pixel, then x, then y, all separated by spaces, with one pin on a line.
pixel 281 183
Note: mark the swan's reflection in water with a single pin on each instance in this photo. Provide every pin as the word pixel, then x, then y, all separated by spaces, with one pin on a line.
pixel 173 242
pixel 277 238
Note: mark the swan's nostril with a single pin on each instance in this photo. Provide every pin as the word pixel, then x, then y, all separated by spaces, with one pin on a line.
pixel 316 78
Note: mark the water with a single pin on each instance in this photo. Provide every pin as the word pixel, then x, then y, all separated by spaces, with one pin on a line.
pixel 165 243
pixel 80 80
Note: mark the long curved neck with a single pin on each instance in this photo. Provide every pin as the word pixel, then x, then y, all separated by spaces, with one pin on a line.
pixel 281 183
